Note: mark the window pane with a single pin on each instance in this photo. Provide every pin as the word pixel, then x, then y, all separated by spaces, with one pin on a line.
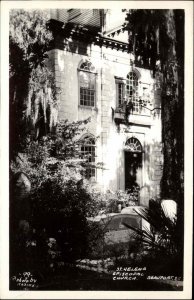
pixel 87 89
pixel 92 81
pixel 88 153
pixel 132 91
pixel 120 92
pixel 84 80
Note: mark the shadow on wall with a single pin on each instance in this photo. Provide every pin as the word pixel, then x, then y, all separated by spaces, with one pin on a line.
pixel 78 47
pixel 154 163
pixel 151 173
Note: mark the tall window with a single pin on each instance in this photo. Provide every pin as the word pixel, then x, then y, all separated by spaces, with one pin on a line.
pixel 87 84
pixel 120 90
pixel 132 91
pixel 88 152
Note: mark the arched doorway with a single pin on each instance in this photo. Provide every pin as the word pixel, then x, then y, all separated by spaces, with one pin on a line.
pixel 133 168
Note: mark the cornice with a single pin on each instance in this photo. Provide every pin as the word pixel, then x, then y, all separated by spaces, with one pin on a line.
pixel 85 34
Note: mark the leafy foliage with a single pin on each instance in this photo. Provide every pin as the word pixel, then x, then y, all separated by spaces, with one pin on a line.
pixel 110 201
pixel 162 235
pixel 159 240
pixel 44 158
pixel 156 38
pixel 28 29
pixel 33 93
pixel 60 200
pixel 46 153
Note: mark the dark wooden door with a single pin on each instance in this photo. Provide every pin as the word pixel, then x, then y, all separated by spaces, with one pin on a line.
pixel 133 161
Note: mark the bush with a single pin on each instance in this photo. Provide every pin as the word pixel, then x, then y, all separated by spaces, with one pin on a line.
pixel 159 245
pixel 59 201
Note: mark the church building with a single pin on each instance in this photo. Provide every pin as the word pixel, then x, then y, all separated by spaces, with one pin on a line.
pixel 99 78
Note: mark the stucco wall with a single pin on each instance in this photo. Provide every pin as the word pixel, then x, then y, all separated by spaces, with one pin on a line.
pixel 110 144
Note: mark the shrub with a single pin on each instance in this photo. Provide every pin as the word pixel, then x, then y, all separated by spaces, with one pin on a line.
pixel 159 249
pixel 59 201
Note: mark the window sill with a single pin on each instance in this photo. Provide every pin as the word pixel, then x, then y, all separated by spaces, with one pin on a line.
pixel 140 119
pixel 82 107
pixel 91 180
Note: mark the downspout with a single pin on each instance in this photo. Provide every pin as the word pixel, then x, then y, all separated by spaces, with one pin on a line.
pixel 102 15
pixel 101 88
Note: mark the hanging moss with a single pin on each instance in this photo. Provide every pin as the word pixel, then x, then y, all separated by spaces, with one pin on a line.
pixel 33 93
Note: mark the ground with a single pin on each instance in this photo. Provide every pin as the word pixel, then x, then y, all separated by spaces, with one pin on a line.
pixel 74 279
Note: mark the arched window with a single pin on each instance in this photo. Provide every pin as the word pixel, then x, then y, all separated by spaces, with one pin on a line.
pixel 88 152
pixel 132 91
pixel 87 84
pixel 133 145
